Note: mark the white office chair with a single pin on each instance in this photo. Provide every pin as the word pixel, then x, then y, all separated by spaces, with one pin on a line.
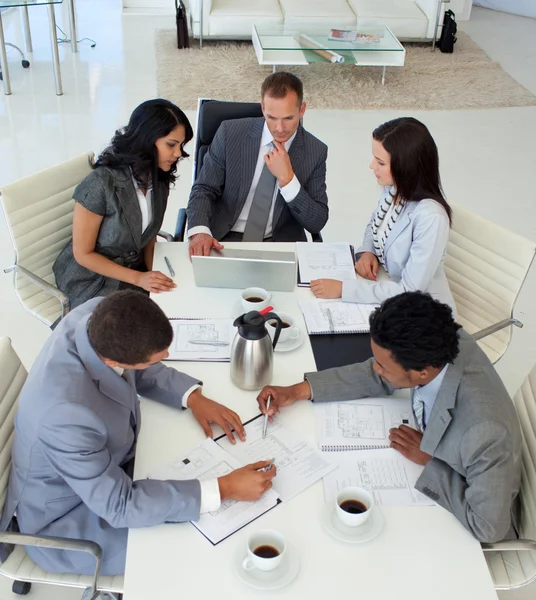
pixel 39 216
pixel 486 266
pixel 512 563
pixel 18 565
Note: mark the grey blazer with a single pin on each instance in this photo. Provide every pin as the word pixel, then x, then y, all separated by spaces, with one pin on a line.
pixel 414 254
pixel 221 188
pixel 473 435
pixel 75 433
pixel 111 194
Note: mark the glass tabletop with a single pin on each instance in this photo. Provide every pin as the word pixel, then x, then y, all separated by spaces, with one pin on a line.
pixel 14 3
pixel 281 37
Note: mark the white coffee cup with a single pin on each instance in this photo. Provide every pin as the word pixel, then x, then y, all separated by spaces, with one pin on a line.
pixel 287 333
pixel 255 292
pixel 356 494
pixel 270 540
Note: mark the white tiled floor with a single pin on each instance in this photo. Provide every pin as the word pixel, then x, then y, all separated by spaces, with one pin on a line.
pixel 487 156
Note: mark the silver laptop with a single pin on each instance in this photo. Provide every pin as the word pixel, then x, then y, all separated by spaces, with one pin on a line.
pixel 233 268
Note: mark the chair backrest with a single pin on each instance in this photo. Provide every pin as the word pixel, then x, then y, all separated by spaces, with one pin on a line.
pixel 39 215
pixel 525 403
pixel 11 382
pixel 486 266
pixel 210 114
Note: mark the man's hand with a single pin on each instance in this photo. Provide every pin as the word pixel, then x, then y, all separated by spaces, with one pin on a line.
pixel 207 411
pixel 201 244
pixel 282 396
pixel 248 483
pixel 278 161
pixel 367 266
pixel 326 288
pixel 408 442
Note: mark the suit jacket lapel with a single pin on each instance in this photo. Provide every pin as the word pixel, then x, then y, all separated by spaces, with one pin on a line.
pixel 249 153
pixel 441 416
pixel 295 153
pixel 401 223
pixel 126 194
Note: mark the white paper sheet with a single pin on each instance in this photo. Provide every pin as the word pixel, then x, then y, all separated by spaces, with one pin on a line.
pixel 388 475
pixel 209 461
pixel 299 465
pixel 324 261
pixel 334 316
pixel 201 339
pixel 360 424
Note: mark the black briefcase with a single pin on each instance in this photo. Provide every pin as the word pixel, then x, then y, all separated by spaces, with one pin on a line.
pixel 448 32
pixel 183 40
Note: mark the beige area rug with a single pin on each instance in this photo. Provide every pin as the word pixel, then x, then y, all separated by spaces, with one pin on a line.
pixel 468 78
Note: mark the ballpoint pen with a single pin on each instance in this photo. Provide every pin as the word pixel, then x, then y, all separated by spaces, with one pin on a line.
pixel 266 417
pixel 267 467
pixel 170 268
pixel 207 343
pixel 330 319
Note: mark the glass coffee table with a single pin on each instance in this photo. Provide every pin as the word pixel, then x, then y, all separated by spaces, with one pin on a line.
pixel 281 45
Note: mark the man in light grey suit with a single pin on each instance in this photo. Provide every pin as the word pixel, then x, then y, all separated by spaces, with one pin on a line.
pixel 263 179
pixel 469 438
pixel 76 428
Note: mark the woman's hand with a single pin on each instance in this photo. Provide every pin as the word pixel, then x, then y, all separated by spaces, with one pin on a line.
pixel 367 266
pixel 326 288
pixel 155 282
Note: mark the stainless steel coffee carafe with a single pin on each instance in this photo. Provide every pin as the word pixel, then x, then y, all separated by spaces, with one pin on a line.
pixel 252 352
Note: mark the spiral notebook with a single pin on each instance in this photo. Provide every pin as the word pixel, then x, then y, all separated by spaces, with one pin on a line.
pixel 333 316
pixel 360 424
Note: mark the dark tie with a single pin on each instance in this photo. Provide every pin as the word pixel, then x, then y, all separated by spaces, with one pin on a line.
pixel 260 207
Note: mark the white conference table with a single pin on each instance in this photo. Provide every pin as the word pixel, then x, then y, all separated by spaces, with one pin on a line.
pixel 422 552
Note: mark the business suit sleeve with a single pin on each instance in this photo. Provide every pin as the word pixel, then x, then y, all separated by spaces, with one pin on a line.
pixel 345 383
pixel 310 206
pixel 429 240
pixel 482 500
pixel 164 384
pixel 368 244
pixel 73 440
pixel 208 187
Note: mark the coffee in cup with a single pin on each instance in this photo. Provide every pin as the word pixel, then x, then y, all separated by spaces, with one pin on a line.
pixel 255 299
pixel 353 506
pixel 289 330
pixel 265 550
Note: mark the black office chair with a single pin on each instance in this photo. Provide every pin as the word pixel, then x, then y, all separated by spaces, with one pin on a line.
pixel 210 114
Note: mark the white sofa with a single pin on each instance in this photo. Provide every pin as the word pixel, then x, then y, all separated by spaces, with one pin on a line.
pixel 233 19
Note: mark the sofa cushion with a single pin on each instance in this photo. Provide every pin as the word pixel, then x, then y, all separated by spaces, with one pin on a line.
pixel 326 13
pixel 236 17
pixel 403 17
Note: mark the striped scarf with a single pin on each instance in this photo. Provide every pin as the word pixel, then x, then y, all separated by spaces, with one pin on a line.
pixel 385 203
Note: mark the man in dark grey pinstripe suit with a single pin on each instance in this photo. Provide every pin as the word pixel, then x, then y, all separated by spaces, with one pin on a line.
pixel 224 193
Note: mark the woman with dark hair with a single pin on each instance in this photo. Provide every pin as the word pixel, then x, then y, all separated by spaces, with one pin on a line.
pixel 120 206
pixel 409 229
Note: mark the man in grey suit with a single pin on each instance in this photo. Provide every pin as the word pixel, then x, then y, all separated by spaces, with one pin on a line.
pixel 469 438
pixel 263 179
pixel 76 428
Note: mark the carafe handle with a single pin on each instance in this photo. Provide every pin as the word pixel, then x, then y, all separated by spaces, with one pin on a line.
pixel 271 316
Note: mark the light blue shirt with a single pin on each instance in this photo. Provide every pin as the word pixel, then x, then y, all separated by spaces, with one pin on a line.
pixel 427 394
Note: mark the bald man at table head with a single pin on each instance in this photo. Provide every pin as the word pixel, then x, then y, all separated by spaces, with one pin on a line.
pixel 468 436
pixel 262 179
pixel 76 428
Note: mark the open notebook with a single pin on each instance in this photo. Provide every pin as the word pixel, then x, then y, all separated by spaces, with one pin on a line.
pixel 334 316
pixel 360 424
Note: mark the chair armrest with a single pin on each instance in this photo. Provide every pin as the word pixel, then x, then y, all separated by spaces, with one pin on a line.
pixel 509 546
pixel 496 327
pixel 46 541
pixel 44 285
pixel 180 227
pixel 167 236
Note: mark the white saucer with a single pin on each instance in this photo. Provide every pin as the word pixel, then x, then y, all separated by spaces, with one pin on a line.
pixel 353 535
pixel 290 345
pixel 268 580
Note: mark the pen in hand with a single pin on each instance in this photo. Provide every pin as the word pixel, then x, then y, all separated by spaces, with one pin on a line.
pixel 266 417
pixel 170 268
pixel 268 467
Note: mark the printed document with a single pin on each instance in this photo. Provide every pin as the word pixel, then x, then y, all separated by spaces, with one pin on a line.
pixel 299 465
pixel 202 339
pixel 210 461
pixel 324 261
pixel 335 316
pixel 388 475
